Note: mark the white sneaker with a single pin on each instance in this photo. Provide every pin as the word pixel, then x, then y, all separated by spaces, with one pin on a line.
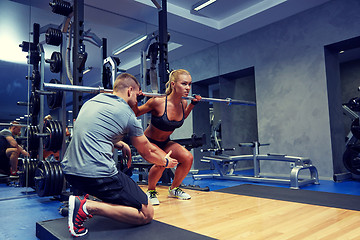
pixel 152 195
pixel 178 193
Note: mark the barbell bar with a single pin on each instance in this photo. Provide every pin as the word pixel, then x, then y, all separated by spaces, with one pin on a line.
pixel 12 124
pixel 73 88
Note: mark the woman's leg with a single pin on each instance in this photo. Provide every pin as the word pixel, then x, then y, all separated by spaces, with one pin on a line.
pixel 185 159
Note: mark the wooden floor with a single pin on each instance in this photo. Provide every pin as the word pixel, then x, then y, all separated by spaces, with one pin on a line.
pixel 230 216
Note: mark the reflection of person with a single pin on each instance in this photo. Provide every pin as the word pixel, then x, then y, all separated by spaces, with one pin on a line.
pixel 10 150
pixel 167 114
pixel 88 164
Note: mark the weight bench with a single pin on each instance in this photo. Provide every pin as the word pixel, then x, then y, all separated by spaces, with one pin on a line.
pixel 226 165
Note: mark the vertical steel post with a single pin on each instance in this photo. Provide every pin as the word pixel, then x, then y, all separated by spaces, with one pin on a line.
pixel 78 53
pixel 163 46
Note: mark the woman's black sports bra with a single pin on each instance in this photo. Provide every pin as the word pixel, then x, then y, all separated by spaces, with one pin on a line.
pixel 164 124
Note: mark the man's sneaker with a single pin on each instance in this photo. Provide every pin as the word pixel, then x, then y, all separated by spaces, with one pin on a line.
pixel 152 195
pixel 178 193
pixel 77 215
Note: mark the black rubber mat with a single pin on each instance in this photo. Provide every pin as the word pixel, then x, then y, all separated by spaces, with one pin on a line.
pixel 335 200
pixel 105 228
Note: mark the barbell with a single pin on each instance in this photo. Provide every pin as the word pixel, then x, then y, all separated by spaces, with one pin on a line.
pixel 74 88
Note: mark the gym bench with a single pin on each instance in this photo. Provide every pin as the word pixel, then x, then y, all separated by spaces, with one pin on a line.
pixel 226 165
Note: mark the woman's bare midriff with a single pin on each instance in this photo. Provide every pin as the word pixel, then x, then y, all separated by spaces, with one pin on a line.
pixel 157 134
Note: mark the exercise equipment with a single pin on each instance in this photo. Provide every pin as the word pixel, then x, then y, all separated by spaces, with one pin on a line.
pixel 53 135
pixel 54 99
pixel 35 78
pixel 26 172
pixel 33 139
pixel 74 88
pixel 61 7
pixel 110 67
pixel 351 156
pixel 49 178
pixel 225 165
pixel 53 36
pixel 193 142
pixel 55 62
pixel 34 104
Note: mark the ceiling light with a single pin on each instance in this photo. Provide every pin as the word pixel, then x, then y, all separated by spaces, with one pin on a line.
pixel 200 5
pixel 341 52
pixel 129 45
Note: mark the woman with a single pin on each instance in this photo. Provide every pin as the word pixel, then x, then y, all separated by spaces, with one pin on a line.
pixel 167 114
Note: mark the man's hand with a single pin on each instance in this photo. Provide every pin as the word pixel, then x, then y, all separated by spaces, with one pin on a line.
pixel 126 152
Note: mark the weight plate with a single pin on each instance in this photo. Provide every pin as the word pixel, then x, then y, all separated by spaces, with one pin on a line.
pixel 355 128
pixel 35 78
pixel 52 178
pixel 59 181
pixel 55 100
pixel 56 63
pixel 34 104
pixel 40 180
pixel 47 139
pixel 351 159
pixel 60 135
pixel 52 135
pixel 32 168
pixel 47 179
pixel 56 178
pixel 22 172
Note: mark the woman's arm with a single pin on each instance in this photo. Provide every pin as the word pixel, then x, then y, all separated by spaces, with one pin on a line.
pixel 192 104
pixel 146 107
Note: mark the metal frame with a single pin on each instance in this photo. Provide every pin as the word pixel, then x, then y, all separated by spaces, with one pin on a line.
pixel 78 48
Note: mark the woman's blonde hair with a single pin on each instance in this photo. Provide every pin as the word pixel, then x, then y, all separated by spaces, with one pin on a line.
pixel 173 77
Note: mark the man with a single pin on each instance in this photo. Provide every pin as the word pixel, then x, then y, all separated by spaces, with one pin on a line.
pixel 88 164
pixel 10 150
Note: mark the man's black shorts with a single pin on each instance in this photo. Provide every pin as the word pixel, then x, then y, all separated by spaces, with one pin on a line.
pixel 4 160
pixel 118 189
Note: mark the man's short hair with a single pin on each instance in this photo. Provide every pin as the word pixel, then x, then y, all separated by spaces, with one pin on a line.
pixel 125 80
pixel 14 123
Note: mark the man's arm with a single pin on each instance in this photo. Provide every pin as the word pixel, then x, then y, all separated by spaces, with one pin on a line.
pixel 152 153
pixel 126 151
pixel 14 144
